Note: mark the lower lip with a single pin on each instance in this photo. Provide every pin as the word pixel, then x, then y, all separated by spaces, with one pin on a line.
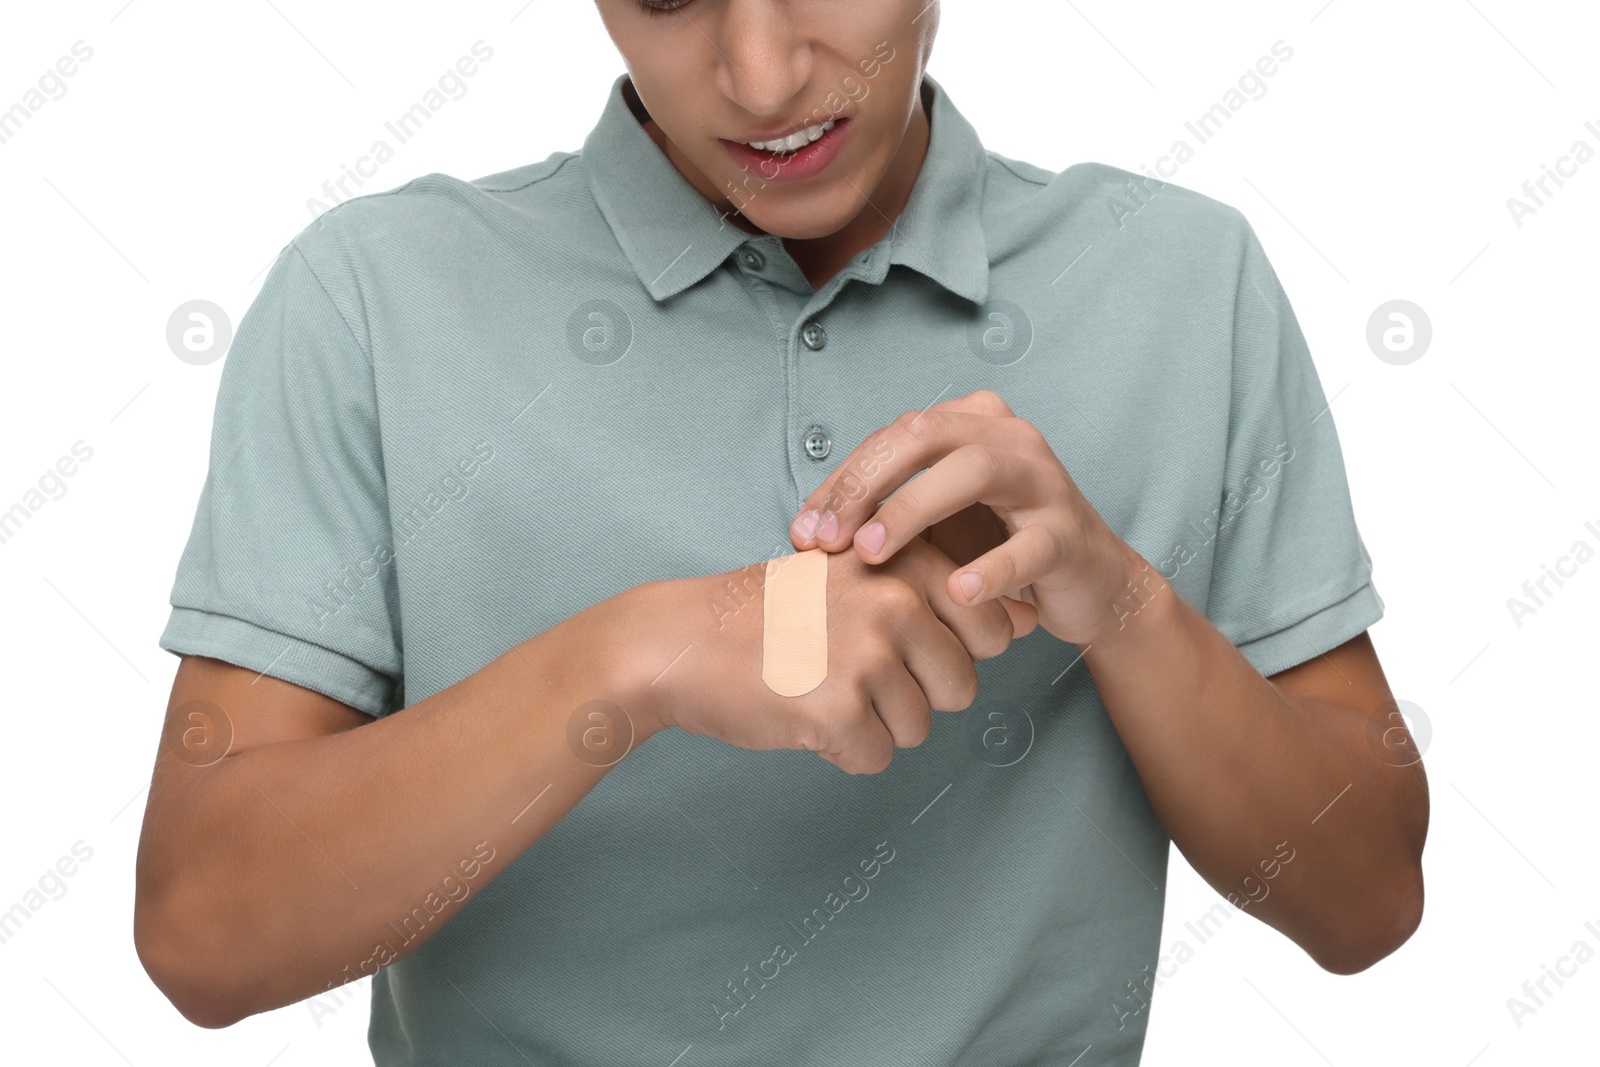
pixel 793 166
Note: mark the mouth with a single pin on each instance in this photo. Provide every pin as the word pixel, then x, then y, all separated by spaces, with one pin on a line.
pixel 794 157
pixel 785 144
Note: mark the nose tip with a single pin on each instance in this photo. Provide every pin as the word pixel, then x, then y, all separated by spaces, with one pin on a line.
pixel 766 98
pixel 765 62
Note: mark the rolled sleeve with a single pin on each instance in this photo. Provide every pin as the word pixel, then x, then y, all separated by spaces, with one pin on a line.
pixel 1291 578
pixel 289 567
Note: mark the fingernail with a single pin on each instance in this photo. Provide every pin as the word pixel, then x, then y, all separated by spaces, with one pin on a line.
pixel 971 584
pixel 828 526
pixel 805 524
pixel 871 536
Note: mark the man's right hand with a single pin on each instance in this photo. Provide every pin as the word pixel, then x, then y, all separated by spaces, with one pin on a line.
pixel 898 647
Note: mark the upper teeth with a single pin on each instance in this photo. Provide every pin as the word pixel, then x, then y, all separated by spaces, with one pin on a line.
pixel 794 140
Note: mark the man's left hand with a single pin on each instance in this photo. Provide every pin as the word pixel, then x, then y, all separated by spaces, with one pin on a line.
pixel 998 502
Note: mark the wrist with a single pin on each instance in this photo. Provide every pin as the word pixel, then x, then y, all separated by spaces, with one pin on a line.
pixel 1138 604
pixel 628 659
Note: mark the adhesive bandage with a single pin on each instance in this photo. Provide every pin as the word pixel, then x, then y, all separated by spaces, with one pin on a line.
pixel 794 636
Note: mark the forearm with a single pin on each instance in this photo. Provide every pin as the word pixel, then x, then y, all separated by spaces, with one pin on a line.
pixel 1242 775
pixel 295 866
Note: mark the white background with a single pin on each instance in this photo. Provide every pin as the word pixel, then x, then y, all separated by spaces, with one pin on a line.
pixel 1377 166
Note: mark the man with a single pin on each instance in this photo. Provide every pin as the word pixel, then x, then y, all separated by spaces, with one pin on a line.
pixel 521 446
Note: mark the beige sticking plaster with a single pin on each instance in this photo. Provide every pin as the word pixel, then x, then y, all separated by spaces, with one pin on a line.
pixel 794 642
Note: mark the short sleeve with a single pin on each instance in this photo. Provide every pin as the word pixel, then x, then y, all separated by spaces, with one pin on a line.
pixel 289 568
pixel 1291 577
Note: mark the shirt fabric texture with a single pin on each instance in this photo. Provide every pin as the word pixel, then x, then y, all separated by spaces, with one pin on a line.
pixel 459 412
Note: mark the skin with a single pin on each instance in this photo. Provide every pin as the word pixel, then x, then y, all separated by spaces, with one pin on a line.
pixel 1233 763
pixel 287 834
pixel 1231 760
pixel 741 68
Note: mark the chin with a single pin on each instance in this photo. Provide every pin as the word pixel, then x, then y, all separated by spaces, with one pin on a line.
pixel 798 227
pixel 822 213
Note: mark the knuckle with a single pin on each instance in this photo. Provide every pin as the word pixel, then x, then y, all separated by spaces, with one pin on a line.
pixel 990 402
pixel 959 691
pixel 1023 428
pixel 967 688
pixel 868 650
pixel 876 761
pixel 981 460
pixel 995 636
pixel 845 490
pixel 919 733
pixel 898 597
pixel 1005 574
pixel 904 502
pixel 902 421
pixel 920 424
pixel 880 442
pixel 807 733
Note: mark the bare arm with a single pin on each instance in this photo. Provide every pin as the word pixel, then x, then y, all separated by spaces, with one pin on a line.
pixel 1245 772
pixel 1272 787
pixel 326 844
pixel 277 871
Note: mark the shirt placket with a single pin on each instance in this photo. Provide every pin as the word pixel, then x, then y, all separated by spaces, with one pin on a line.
pixel 807 349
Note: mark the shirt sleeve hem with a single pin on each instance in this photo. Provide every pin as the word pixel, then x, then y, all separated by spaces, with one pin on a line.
pixel 1316 633
pixel 194 631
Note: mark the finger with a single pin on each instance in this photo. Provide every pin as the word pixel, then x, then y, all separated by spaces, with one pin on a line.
pixel 971 474
pixel 903 707
pixel 1029 554
pixel 935 654
pixel 859 744
pixel 885 461
pixel 1024 616
pixel 930 649
pixel 984 630
pixel 845 728
pixel 977 402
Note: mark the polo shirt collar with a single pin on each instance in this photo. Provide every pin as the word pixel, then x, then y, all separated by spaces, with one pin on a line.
pixel 673 236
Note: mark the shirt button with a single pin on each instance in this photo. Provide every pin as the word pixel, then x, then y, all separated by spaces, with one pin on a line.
pixel 752 258
pixel 814 336
pixel 818 445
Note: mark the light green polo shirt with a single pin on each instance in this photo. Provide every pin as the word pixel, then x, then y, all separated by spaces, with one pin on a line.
pixel 460 412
